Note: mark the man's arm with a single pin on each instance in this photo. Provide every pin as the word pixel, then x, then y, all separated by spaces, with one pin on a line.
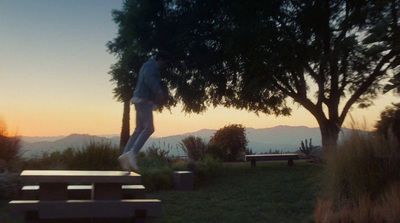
pixel 153 82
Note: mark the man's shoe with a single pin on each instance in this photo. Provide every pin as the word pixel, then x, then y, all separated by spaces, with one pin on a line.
pixel 124 162
pixel 133 161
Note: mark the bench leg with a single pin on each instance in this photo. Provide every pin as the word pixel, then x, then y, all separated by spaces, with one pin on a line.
pixel 253 162
pixel 32 217
pixel 290 162
pixel 140 216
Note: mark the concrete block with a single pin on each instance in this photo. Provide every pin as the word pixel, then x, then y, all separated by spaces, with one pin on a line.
pixel 183 180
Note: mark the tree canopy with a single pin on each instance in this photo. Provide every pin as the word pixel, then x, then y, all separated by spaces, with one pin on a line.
pixel 326 55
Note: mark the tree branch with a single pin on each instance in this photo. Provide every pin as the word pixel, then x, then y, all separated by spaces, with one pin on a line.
pixel 364 86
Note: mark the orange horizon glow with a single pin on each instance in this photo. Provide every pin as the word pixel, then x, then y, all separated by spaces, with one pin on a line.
pixel 52 123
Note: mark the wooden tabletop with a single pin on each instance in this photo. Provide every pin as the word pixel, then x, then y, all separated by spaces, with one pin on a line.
pixel 78 177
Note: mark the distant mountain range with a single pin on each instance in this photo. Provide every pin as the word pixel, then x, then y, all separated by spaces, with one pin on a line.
pixel 284 138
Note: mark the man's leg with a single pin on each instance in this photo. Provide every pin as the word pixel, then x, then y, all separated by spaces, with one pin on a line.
pixel 136 133
pixel 128 160
pixel 146 115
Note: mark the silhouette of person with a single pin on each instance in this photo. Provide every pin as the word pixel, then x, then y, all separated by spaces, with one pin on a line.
pixel 147 94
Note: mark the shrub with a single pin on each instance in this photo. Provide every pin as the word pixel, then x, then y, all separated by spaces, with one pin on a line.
pixel 159 151
pixel 155 168
pixel 154 157
pixel 194 147
pixel 157 178
pixel 357 179
pixel 205 169
pixel 9 147
pixel 9 185
pixel 93 156
pixel 180 165
pixel 363 164
pixel 217 151
pixel 233 139
pixel 390 122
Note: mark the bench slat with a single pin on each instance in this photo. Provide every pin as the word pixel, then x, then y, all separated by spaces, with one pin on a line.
pixel 85 208
pixel 270 157
pixel 84 191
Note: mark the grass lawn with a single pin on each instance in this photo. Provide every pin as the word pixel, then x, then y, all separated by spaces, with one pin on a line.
pixel 271 192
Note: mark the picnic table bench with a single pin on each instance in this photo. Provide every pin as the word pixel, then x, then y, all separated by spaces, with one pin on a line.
pixel 52 198
pixel 271 157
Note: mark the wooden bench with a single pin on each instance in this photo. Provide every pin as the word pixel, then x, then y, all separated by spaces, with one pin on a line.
pixel 106 196
pixel 77 192
pixel 272 157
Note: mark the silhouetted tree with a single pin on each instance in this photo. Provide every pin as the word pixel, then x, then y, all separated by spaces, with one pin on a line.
pixel 326 55
pixel 133 24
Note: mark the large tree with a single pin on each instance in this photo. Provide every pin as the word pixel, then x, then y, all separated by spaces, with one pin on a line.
pixel 131 54
pixel 326 55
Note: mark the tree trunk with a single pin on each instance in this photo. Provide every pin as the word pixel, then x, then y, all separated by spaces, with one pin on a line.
pixel 125 131
pixel 329 134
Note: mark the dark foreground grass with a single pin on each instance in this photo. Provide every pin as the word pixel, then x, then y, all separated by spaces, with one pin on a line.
pixel 271 192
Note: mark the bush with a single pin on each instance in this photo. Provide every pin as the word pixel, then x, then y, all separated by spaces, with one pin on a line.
pixel 180 165
pixel 9 186
pixel 362 165
pixel 358 177
pixel 9 147
pixel 157 178
pixel 390 122
pixel 154 157
pixel 233 139
pixel 206 169
pixel 159 151
pixel 217 151
pixel 93 156
pixel 155 168
pixel 194 147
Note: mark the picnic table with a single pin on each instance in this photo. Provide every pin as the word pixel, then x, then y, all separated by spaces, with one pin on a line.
pixel 106 196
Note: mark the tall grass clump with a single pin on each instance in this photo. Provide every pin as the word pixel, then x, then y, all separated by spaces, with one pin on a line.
pixel 194 147
pixel 93 156
pixel 362 180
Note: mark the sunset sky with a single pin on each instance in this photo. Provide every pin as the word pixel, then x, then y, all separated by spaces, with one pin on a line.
pixel 54 76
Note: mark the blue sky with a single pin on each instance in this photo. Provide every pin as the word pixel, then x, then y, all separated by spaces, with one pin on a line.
pixel 54 77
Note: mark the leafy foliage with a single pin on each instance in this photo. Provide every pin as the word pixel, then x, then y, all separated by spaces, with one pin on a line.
pixel 232 139
pixel 254 54
pixel 390 122
pixel 9 146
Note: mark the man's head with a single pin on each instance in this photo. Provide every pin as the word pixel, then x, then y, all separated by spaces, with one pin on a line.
pixel 163 59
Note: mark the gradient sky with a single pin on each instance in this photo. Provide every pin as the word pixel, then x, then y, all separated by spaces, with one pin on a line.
pixel 54 76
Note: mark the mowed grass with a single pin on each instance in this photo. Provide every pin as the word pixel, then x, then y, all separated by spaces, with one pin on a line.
pixel 271 192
